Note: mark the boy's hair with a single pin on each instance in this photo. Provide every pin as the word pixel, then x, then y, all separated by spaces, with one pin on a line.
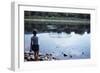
pixel 34 32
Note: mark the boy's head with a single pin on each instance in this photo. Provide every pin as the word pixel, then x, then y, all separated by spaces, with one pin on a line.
pixel 34 32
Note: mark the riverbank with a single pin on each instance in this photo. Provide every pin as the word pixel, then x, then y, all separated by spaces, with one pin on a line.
pixel 29 56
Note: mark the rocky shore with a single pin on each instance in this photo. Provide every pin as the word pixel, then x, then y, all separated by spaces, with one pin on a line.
pixel 29 56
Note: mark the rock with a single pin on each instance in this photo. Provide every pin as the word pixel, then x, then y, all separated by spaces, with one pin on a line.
pixel 82 53
pixel 41 59
pixel 65 55
pixel 31 59
pixel 28 58
pixel 70 56
pixel 54 58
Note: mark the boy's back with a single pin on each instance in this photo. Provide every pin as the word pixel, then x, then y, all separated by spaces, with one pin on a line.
pixel 34 40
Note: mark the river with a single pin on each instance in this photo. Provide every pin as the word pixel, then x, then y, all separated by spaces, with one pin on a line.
pixel 62 45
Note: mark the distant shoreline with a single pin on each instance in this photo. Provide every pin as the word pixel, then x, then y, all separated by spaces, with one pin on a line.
pixel 57 32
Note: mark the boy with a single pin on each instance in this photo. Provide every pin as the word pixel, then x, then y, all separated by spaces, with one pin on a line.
pixel 34 45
